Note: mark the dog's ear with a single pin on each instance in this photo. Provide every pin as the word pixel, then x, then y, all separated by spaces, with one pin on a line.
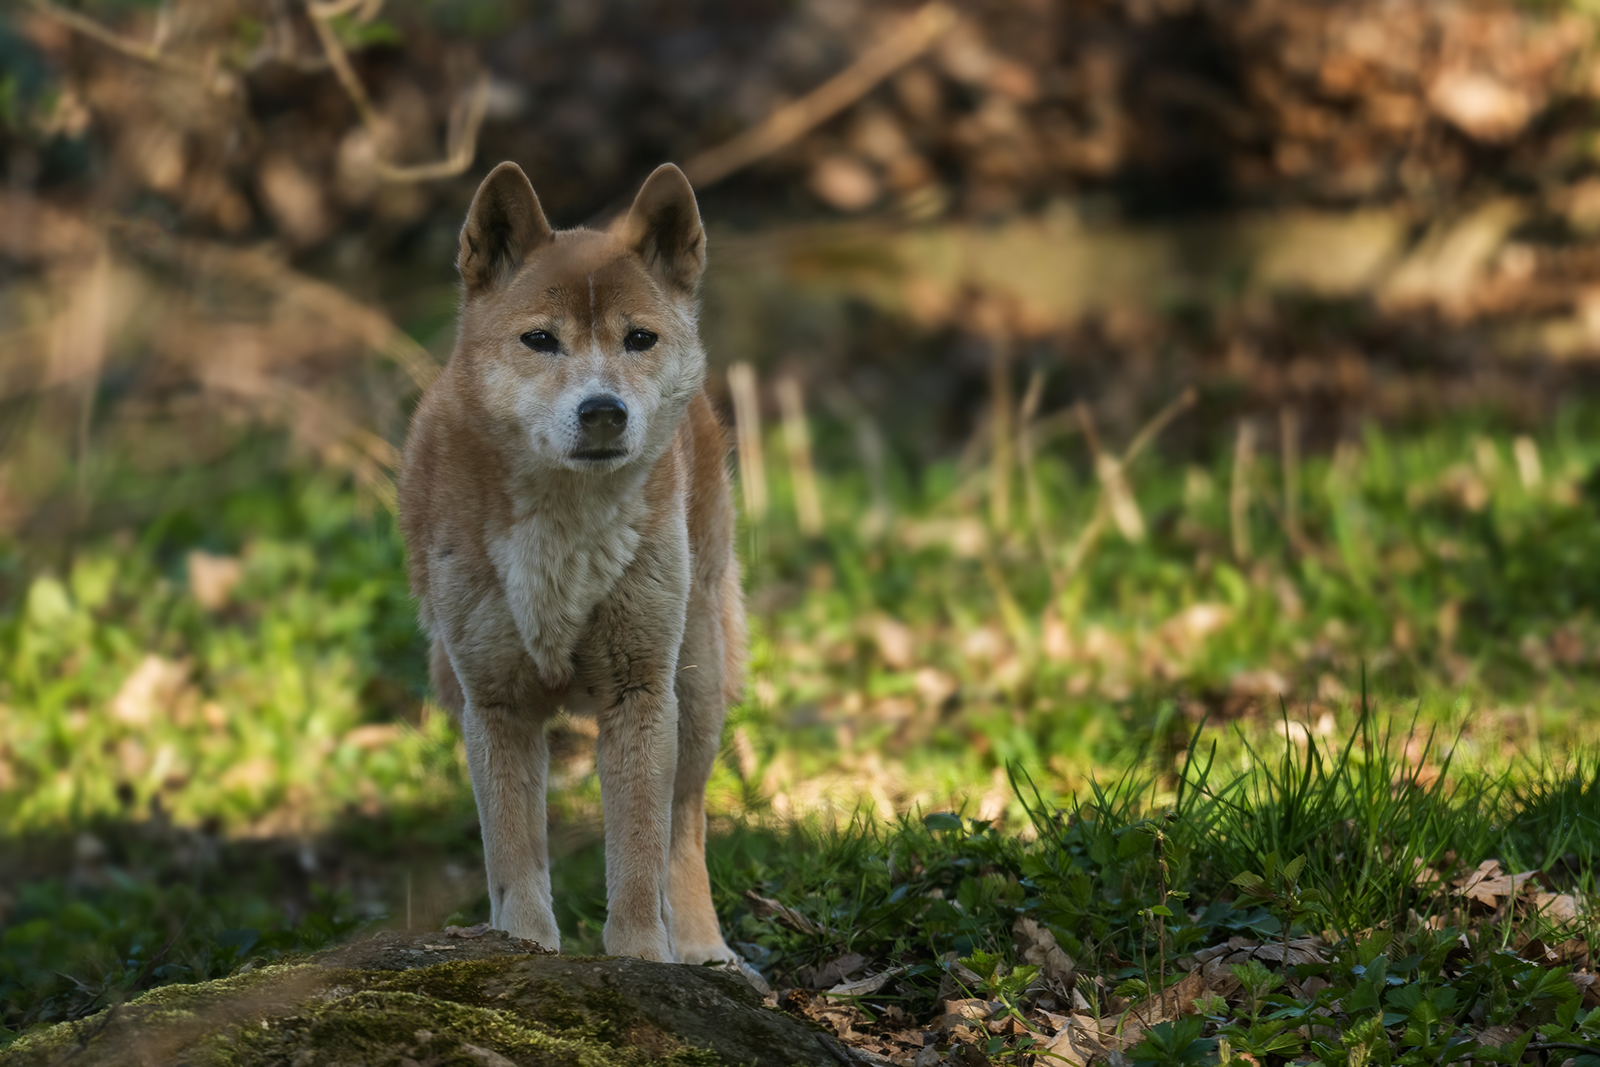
pixel 504 224
pixel 663 228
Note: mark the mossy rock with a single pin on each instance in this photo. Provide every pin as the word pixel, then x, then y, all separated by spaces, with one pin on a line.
pixel 426 1001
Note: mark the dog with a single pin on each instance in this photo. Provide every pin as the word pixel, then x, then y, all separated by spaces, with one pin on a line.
pixel 569 528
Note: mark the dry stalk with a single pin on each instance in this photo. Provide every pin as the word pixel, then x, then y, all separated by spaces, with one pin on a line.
pixel 1244 447
pixel 1092 531
pixel 797 443
pixel 870 446
pixel 747 427
pixel 1116 494
pixel 792 121
pixel 465 123
pixel 1529 470
pixel 1026 416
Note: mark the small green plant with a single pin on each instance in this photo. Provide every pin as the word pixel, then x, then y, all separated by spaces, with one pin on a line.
pixel 1257 1036
pixel 1280 889
pixel 1174 1044
pixel 1005 984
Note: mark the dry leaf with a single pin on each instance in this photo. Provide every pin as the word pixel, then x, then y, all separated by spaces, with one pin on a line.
pixel 832 972
pixel 1488 883
pixel 152 687
pixel 863 986
pixel 1037 946
pixel 767 908
pixel 1557 907
pixel 1173 1001
pixel 212 578
pixel 467 931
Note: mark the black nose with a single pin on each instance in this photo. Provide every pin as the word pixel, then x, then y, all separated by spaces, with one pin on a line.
pixel 603 413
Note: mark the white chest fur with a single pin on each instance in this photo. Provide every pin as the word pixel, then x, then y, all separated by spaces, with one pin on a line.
pixel 555 565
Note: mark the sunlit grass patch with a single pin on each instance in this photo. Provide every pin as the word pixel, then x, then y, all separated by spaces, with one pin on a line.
pixel 1354 887
pixel 265 687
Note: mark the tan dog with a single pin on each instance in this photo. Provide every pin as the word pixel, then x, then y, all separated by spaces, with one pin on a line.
pixel 566 511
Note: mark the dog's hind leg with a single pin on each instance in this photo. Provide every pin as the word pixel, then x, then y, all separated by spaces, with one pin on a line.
pixel 702 685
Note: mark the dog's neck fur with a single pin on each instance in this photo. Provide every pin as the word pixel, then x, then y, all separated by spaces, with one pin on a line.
pixel 569 536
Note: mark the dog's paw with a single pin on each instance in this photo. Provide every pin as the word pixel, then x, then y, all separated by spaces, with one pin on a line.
pixel 528 920
pixel 705 952
pixel 640 944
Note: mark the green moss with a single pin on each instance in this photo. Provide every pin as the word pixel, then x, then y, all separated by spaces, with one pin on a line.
pixel 345 1015
pixel 172 1008
pixel 475 982
pixel 44 1045
pixel 590 1015
pixel 383 1025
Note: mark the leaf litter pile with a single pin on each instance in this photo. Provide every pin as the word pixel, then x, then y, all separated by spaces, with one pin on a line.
pixel 1327 906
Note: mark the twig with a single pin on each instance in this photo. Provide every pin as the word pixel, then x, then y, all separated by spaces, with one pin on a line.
pixel 111 1012
pixel 1103 510
pixel 146 52
pixel 1116 495
pixel 792 121
pixel 1185 400
pixel 459 153
pixel 333 9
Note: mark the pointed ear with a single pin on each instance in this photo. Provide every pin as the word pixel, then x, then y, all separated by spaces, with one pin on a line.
pixel 663 228
pixel 504 224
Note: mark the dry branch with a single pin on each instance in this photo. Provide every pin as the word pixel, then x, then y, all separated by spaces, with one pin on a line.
pixel 375 329
pixel 150 52
pixel 463 146
pixel 792 121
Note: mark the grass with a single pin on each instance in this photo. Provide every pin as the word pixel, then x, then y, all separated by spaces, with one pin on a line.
pixel 1355 677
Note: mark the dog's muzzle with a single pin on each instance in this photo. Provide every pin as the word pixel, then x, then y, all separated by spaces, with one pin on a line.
pixel 603 418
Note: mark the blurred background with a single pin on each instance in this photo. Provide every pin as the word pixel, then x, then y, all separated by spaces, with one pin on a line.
pixel 1101 368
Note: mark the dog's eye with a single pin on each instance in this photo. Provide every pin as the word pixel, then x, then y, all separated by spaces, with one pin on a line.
pixel 638 340
pixel 541 341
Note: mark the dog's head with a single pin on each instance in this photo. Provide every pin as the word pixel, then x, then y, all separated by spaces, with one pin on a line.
pixel 583 341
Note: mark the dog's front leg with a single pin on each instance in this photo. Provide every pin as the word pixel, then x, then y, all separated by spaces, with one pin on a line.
pixel 636 755
pixel 508 757
pixel 628 668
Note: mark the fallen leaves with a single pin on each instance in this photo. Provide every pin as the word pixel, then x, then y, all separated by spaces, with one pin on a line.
pixel 767 908
pixel 1494 888
pixel 150 690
